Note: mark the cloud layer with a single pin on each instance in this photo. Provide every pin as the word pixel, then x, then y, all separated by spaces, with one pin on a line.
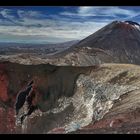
pixel 65 24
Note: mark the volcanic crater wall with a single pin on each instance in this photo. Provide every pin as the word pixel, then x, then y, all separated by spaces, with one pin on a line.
pixel 95 97
pixel 51 83
pixel 96 93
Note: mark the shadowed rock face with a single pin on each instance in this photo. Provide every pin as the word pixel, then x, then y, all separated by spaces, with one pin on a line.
pixel 49 79
pixel 50 82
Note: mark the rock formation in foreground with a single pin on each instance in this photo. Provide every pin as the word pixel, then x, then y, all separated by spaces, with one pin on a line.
pixel 104 99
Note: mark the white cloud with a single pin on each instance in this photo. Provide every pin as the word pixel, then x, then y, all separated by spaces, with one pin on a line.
pixel 57 27
pixel 7 13
pixel 29 14
pixel 60 28
pixel 22 17
pixel 73 30
pixel 101 11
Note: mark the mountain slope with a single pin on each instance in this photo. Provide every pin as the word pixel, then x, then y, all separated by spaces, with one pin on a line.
pixel 117 42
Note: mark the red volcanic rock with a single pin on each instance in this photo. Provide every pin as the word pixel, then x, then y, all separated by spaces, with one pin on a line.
pixel 3 86
pixel 125 26
pixel 127 122
pixel 7 121
pixel 116 121
pixel 60 130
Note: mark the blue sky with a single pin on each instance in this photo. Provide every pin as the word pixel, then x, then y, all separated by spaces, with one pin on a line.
pixel 52 24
